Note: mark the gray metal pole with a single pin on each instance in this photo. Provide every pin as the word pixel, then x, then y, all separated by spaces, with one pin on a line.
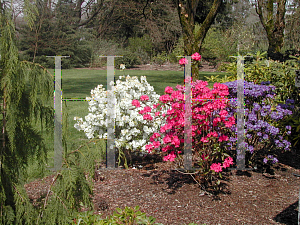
pixel 110 149
pixel 240 159
pixel 188 117
pixel 58 146
pixel 110 119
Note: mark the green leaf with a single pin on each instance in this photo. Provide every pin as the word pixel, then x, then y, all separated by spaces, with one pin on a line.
pixel 119 210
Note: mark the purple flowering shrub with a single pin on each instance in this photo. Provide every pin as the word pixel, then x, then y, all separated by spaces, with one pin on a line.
pixel 264 139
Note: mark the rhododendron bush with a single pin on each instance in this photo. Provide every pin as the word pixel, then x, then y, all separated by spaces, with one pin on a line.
pixel 265 138
pixel 212 125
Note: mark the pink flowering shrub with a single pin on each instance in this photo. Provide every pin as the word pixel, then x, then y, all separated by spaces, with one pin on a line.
pixel 211 127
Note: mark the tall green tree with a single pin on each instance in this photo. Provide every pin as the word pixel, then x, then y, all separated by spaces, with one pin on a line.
pixel 57 31
pixel 21 108
pixel 26 90
pixel 272 16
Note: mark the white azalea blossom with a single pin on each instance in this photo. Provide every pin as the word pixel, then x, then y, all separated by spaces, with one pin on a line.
pixel 131 130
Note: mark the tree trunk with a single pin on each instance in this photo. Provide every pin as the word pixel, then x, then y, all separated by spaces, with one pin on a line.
pixel 273 25
pixel 193 38
pixel 3 128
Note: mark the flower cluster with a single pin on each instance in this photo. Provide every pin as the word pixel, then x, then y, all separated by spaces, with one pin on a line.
pixel 196 56
pixel 217 166
pixel 133 113
pixel 262 135
pixel 270 157
pixel 289 104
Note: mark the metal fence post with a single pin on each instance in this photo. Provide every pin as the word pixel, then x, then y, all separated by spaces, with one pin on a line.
pixel 188 117
pixel 58 147
pixel 111 101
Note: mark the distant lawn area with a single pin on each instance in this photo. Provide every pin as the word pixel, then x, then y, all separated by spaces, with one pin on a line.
pixel 77 83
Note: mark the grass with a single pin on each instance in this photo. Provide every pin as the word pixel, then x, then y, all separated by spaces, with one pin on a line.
pixel 77 83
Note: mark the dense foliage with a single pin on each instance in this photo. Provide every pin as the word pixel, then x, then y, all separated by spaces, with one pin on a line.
pixel 281 75
pixel 263 137
pixel 26 91
pixel 56 33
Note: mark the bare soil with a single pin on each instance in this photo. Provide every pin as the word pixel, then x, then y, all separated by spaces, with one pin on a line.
pixel 247 197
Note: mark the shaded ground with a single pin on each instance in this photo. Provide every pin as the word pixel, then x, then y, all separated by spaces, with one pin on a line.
pixel 173 67
pixel 175 198
pixel 166 67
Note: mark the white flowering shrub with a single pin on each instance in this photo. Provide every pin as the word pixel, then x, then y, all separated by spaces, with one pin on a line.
pixel 132 131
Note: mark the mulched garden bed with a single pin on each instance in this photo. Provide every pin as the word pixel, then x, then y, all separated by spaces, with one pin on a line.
pixel 174 198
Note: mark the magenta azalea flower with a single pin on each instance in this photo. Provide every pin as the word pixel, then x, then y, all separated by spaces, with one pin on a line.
pixel 216 167
pixel 196 56
pixel 183 61
pixel 144 97
pixel 136 103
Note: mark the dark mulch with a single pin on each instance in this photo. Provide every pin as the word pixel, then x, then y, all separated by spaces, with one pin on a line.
pixel 248 197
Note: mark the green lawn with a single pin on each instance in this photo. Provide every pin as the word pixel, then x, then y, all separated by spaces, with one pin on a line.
pixel 77 83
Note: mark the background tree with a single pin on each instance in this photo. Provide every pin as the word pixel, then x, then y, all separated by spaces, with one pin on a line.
pixel 272 16
pixel 59 29
pixel 292 32
pixel 235 30
pixel 192 12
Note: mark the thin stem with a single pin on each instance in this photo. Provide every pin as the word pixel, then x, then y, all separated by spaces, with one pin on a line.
pixel 47 196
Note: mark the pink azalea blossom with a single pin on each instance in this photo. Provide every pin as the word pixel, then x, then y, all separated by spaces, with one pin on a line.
pixel 167 139
pixel 147 109
pixel 183 61
pixel 144 97
pixel 147 117
pixel 136 103
pixel 204 139
pixel 177 95
pixel 171 157
pixel 196 56
pixel 216 167
pixel 223 138
pixel 176 105
pixel 175 141
pixel 216 121
pixel 164 98
pixel 156 144
pixel 223 113
pixel 149 147
pixel 212 134
pixel 227 162
pixel 167 148
pixel 168 90
pixel 156 135
pixel 155 106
